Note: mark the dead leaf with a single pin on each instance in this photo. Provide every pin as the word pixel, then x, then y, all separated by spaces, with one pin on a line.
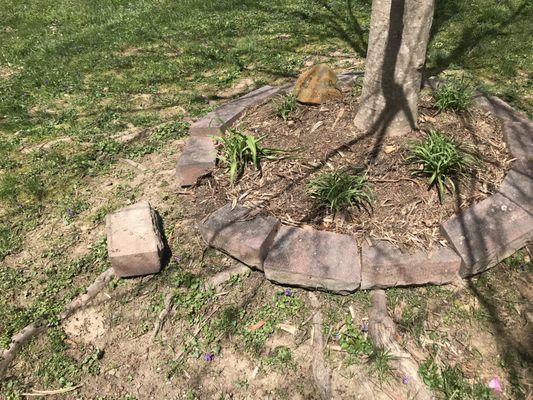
pixel 256 326
pixel 389 149
pixel 288 328
pixel 316 126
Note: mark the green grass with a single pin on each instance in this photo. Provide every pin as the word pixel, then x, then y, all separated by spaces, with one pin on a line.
pixel 442 161
pixel 341 191
pixel 454 94
pixel 238 150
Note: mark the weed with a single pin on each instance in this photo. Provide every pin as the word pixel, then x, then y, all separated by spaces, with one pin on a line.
pixel 355 342
pixel 340 191
pixel 280 358
pixel 284 105
pixel 451 382
pixel 454 94
pixel 442 160
pixel 238 150
pixel 380 363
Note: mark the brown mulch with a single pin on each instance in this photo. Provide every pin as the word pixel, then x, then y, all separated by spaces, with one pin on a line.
pixel 323 138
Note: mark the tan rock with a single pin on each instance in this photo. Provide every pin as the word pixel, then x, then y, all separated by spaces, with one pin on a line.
pixel 317 85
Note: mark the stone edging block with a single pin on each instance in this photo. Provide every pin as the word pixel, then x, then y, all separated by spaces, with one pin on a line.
pixel 314 259
pixel 383 266
pixel 517 186
pixel 519 139
pixel 487 233
pixel 240 234
pixel 217 121
pixel 197 159
pixel 498 108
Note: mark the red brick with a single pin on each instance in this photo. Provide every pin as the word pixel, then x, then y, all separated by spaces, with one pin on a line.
pixel 217 121
pixel 134 243
pixel 383 266
pixel 488 232
pixel 242 235
pixel 197 159
pixel 519 139
pixel 314 259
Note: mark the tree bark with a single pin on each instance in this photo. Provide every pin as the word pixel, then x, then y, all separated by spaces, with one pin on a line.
pixel 399 34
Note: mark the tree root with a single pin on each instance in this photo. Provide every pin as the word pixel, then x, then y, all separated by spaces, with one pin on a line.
pixel 382 330
pixel 321 373
pixel 36 328
pixel 163 315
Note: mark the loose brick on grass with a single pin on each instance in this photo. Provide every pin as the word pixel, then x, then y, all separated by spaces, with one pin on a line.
pixel 383 266
pixel 240 234
pixel 314 259
pixel 217 121
pixel 134 242
pixel 519 139
pixel 488 232
pixel 197 159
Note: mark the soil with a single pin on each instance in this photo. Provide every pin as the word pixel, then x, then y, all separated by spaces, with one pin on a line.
pixel 322 138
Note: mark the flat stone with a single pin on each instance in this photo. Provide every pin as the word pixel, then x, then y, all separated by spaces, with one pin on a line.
pixel 488 232
pixel 518 185
pixel 314 259
pixel 217 121
pixel 519 139
pixel 134 242
pixel 241 234
pixel 197 159
pixel 498 108
pixel 383 266
pixel 317 85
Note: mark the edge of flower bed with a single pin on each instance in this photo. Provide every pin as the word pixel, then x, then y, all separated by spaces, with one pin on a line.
pixel 479 237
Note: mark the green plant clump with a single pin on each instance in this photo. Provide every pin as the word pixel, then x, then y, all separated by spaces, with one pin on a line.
pixel 442 161
pixel 238 150
pixel 454 94
pixel 340 190
pixel 285 105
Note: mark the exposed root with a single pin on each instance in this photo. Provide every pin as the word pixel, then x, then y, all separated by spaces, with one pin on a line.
pixel 35 328
pixel 162 315
pixel 382 330
pixel 224 276
pixel 321 373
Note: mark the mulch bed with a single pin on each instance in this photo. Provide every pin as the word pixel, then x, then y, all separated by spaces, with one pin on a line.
pixel 324 138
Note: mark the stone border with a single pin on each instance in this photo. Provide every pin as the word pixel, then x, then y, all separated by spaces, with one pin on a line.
pixel 479 237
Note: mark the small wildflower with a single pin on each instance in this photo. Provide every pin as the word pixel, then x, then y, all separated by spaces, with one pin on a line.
pixel 337 336
pixel 177 259
pixel 405 380
pixel 495 385
pixel 364 326
pixel 208 357
pixel 287 292
pixel 70 212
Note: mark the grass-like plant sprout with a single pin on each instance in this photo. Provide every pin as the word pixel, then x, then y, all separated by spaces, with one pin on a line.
pixel 284 105
pixel 237 150
pixel 441 160
pixel 455 94
pixel 341 190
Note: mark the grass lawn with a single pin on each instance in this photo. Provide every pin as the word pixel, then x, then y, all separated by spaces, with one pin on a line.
pixel 77 77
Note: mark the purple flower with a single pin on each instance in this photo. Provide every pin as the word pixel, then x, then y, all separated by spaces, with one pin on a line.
pixel 208 357
pixel 364 326
pixel 405 380
pixel 287 292
pixel 70 212
pixel 177 259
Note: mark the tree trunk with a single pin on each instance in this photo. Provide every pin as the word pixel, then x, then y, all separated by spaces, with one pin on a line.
pixel 399 34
